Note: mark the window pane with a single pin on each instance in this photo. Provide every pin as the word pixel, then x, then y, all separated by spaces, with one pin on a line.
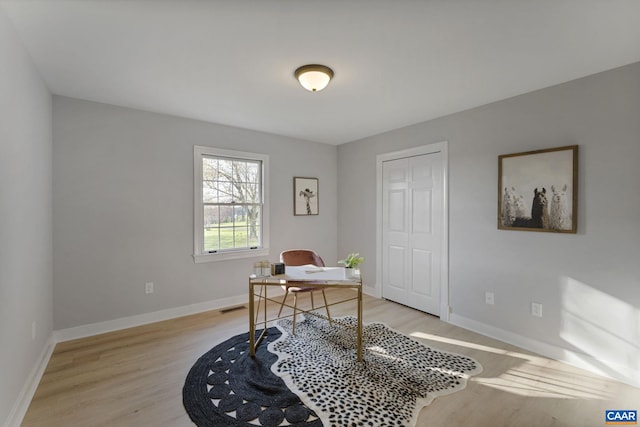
pixel 254 237
pixel 240 237
pixel 211 216
pixel 240 171
pixel 253 223
pixel 209 179
pixel 252 193
pixel 209 169
pixel 226 237
pixel 211 232
pixel 225 170
pixel 211 239
pixel 225 192
pixel 226 216
pixel 209 195
pixel 253 172
pixel 231 202
pixel 239 216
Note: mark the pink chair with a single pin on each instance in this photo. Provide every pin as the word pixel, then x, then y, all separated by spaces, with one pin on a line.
pixel 296 257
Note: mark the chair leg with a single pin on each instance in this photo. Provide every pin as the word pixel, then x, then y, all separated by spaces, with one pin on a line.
pixel 326 306
pixel 313 306
pixel 286 294
pixel 295 310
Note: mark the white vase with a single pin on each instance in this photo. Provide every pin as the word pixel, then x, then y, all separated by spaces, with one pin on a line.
pixel 351 273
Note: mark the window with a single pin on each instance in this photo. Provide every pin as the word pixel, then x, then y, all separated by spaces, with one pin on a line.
pixel 230 204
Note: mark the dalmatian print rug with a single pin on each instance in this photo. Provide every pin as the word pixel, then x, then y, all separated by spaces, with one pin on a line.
pixel 312 379
pixel 398 377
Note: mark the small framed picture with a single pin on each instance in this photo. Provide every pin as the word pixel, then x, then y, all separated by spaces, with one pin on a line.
pixel 538 190
pixel 305 196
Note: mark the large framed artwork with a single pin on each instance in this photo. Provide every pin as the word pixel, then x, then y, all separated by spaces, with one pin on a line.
pixel 538 190
pixel 305 196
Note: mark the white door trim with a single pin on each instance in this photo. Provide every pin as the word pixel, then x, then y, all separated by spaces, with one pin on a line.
pixel 441 147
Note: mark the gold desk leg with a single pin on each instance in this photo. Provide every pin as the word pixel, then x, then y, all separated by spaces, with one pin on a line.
pixel 265 306
pixel 360 322
pixel 252 323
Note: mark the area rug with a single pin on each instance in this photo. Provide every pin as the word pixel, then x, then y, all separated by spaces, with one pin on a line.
pixel 228 388
pixel 313 378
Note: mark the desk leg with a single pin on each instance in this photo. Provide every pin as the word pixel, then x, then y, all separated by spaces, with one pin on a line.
pixel 360 323
pixel 265 306
pixel 252 323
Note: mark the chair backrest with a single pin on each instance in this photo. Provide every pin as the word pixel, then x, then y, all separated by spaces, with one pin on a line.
pixel 295 257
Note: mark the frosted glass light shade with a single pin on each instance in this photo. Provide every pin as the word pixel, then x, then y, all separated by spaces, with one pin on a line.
pixel 314 77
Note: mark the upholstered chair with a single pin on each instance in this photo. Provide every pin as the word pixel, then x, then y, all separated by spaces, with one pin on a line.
pixel 297 257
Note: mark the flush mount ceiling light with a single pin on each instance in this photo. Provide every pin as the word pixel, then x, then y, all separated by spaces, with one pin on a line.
pixel 314 77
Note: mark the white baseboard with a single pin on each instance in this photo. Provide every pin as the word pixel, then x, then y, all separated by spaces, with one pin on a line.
pixel 21 405
pixel 146 318
pixel 608 369
pixel 373 291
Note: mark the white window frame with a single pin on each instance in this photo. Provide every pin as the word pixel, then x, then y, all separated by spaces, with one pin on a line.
pixel 199 255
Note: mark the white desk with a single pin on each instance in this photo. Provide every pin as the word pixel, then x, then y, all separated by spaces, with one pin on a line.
pixel 320 277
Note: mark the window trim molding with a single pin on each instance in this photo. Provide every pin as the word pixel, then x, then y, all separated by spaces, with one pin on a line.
pixel 198 243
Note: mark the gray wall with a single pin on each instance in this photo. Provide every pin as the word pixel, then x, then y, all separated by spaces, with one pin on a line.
pixel 123 210
pixel 25 217
pixel 588 283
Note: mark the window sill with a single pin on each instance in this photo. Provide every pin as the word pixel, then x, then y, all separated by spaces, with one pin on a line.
pixel 224 256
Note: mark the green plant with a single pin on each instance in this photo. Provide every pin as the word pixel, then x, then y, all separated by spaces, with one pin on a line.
pixel 353 260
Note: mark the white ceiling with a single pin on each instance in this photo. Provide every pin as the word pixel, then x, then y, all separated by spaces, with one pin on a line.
pixel 396 62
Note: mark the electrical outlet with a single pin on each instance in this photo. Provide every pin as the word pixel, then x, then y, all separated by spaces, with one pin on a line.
pixel 536 309
pixel 488 298
pixel 148 288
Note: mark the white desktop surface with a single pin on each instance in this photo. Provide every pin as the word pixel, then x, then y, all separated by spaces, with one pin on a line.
pixel 312 272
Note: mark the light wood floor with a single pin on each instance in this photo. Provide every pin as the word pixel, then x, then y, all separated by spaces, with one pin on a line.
pixel 134 377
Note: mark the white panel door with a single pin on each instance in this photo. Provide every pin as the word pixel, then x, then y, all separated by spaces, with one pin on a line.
pixel 412 231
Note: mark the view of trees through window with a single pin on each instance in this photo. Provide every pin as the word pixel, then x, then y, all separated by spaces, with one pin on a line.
pixel 232 203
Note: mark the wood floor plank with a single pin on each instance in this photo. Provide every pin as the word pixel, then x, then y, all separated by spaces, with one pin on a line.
pixel 134 377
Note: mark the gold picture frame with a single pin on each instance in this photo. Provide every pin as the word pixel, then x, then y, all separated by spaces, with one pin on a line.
pixel 538 190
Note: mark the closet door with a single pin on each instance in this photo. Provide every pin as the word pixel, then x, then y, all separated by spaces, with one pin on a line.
pixel 412 231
